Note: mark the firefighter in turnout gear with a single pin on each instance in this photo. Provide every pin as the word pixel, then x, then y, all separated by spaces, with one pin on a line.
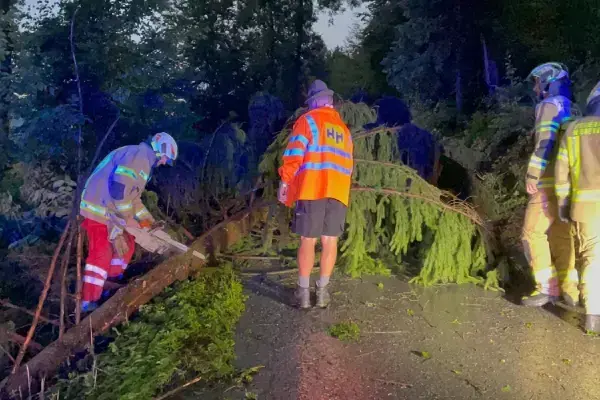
pixel 578 192
pixel 547 240
pixel 111 200
pixel 316 175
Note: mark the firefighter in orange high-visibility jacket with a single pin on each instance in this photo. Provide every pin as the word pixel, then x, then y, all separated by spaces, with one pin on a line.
pixel 578 192
pixel 111 200
pixel 547 240
pixel 316 175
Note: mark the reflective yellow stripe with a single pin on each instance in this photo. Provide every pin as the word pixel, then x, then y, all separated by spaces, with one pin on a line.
pixel 93 208
pixel 587 128
pixel 586 195
pixel 545 274
pixel 141 213
pixel 124 206
pixel 573 147
pixel 563 189
pixel 537 162
pixel 546 183
pixel 570 275
pixel 144 175
pixel 125 171
pixel 563 155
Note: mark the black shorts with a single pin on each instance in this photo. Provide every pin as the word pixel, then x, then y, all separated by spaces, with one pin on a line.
pixel 316 218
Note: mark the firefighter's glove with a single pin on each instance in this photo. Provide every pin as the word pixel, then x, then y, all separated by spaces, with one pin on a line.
pixel 564 213
pixel 120 245
pixel 151 226
pixel 146 224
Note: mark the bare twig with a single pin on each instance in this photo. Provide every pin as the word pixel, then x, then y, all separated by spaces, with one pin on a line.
pixel 8 304
pixel 375 132
pixel 99 147
pixel 42 299
pixel 78 80
pixel 63 282
pixel 172 392
pixel 16 338
pixel 78 283
pixel 212 139
pixel 7 354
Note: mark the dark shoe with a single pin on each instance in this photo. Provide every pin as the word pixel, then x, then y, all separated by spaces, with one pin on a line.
pixel 570 300
pixel 302 296
pixel 537 299
pixel 592 323
pixel 323 297
pixel 87 306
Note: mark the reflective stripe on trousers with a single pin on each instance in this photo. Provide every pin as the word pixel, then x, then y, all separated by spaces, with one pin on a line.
pixel 549 247
pixel 588 243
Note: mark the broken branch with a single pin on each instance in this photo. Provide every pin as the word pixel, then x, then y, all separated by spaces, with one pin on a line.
pixel 172 392
pixel 16 338
pixel 8 304
pixel 42 299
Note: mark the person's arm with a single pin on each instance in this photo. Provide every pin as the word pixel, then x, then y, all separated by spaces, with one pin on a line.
pixel 562 173
pixel 547 125
pixel 293 155
pixel 142 215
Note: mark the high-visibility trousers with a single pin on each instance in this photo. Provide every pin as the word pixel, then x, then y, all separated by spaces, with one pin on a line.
pixel 587 236
pixel 102 262
pixel 549 247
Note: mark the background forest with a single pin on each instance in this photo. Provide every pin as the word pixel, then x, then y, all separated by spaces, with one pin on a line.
pixel 224 76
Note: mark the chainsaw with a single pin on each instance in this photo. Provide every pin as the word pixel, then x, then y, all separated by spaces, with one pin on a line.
pixel 160 242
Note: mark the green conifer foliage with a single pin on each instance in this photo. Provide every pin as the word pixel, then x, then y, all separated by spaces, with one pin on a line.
pixel 392 207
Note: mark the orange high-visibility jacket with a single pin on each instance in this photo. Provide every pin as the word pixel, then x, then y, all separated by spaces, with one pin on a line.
pixel 317 162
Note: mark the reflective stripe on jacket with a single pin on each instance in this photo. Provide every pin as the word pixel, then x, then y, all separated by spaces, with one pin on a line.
pixel 317 162
pixel 128 169
pixel 578 169
pixel 551 114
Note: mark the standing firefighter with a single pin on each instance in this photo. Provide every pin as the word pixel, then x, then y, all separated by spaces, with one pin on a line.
pixel 578 192
pixel 543 229
pixel 110 201
pixel 316 174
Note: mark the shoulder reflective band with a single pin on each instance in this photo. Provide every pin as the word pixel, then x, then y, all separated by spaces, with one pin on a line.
pixel 313 129
pixel 144 176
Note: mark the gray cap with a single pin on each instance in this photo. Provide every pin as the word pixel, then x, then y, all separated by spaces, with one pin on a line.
pixel 318 89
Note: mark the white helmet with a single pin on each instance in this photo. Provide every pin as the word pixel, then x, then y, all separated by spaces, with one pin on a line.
pixel 594 94
pixel 164 145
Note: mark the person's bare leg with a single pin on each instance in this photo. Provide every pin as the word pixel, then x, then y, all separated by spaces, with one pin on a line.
pixel 328 257
pixel 306 261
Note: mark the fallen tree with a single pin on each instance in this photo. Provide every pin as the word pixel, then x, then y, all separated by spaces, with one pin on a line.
pixel 392 208
pixel 127 300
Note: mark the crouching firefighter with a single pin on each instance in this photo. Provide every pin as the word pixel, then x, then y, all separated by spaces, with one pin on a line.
pixel 578 192
pixel 111 200
pixel 547 240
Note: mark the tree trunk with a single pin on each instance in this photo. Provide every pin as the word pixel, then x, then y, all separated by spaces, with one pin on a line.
pixel 298 60
pixel 127 300
pixel 5 69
